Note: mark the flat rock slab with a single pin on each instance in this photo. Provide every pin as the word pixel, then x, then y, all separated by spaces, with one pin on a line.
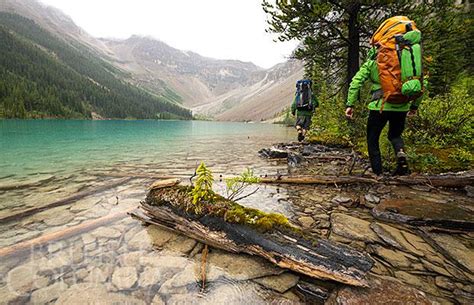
pixel 425 213
pixel 455 249
pixel 382 291
pixel 352 227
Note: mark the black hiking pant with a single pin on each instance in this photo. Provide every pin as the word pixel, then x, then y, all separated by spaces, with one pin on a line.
pixel 375 125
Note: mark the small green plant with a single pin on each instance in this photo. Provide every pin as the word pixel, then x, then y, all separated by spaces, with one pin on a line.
pixel 237 185
pixel 202 190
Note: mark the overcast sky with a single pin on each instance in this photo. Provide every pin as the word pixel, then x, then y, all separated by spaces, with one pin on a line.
pixel 226 29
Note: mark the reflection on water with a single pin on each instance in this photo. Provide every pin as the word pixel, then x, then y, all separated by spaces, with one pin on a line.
pixel 122 262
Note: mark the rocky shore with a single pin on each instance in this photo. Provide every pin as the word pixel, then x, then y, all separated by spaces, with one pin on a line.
pixel 126 263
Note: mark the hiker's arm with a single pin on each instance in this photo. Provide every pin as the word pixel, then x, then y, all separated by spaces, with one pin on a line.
pixel 416 103
pixel 357 82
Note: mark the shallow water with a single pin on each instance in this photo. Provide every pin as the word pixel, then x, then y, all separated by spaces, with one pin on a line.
pixel 121 261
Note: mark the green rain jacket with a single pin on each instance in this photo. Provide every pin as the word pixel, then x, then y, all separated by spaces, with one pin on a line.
pixel 301 112
pixel 369 70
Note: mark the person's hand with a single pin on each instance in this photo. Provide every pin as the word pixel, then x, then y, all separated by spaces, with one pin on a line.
pixel 412 113
pixel 349 112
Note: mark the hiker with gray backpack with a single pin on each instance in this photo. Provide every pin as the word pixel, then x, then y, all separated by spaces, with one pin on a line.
pixel 303 106
pixel 394 66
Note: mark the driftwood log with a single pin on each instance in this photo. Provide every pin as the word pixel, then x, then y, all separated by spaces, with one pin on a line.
pixel 448 180
pixel 61 202
pixel 28 245
pixel 292 250
pixel 422 213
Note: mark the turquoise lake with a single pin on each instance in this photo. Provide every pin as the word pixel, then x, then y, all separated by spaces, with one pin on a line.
pixel 68 146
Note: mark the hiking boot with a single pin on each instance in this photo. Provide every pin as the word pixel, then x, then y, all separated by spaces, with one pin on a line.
pixel 300 137
pixel 402 165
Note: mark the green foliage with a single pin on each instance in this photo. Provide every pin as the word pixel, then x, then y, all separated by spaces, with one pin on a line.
pixel 446 120
pixel 237 185
pixel 448 41
pixel 44 76
pixel 202 190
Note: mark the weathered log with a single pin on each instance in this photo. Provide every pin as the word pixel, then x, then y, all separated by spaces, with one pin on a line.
pixel 64 201
pixel 417 212
pixel 453 181
pixel 136 175
pixel 23 246
pixel 317 180
pixel 28 184
pixel 292 250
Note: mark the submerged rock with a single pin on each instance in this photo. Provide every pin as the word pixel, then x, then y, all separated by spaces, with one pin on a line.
pixel 178 283
pixel 24 278
pixel 84 204
pixel 280 283
pixel 124 277
pixel 181 244
pixel 382 291
pixel 48 294
pixel 106 232
pixel 84 293
pixel 241 267
pixel 150 276
pixel 96 275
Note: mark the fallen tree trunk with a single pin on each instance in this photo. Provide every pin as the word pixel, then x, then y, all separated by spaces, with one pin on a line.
pixel 451 180
pixel 422 213
pixel 67 200
pixel 166 207
pixel 23 246
pixel 317 180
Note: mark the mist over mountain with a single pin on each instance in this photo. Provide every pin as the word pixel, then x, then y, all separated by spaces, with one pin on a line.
pixel 222 89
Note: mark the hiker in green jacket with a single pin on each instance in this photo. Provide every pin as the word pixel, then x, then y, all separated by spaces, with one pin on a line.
pixel 303 106
pixel 394 114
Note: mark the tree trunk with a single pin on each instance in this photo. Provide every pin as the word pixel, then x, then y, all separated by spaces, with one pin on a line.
pixel 354 40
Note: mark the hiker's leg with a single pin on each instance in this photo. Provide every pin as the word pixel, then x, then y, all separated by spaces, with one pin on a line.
pixel 306 124
pixel 299 128
pixel 395 129
pixel 375 125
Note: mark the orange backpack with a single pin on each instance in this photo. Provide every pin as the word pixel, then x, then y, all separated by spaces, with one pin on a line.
pixel 389 50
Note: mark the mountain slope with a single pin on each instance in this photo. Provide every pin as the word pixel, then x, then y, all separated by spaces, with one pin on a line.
pixel 261 101
pixel 44 76
pixel 196 78
pixel 223 89
pixel 55 22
